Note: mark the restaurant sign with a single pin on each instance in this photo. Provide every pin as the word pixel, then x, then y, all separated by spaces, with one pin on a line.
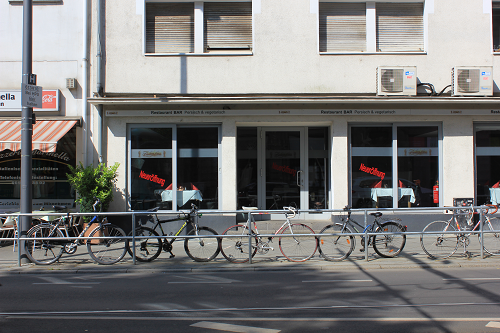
pixel 10 100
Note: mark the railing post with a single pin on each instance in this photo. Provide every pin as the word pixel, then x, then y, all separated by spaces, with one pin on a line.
pixel 133 239
pixel 18 240
pixel 366 238
pixel 481 234
pixel 249 224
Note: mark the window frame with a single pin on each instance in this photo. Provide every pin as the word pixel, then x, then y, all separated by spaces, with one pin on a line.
pixel 483 151
pixel 491 9
pixel 371 26
pixel 175 156
pixel 199 33
pixel 393 152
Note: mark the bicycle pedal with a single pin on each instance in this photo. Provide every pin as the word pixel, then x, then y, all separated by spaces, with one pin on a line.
pixel 362 250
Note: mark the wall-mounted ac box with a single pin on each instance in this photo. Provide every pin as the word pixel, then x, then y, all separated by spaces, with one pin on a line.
pixel 472 81
pixel 397 80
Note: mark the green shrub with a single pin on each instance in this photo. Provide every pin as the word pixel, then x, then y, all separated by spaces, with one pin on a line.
pixel 93 182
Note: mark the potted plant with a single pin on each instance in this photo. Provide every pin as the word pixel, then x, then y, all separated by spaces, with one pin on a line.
pixel 93 182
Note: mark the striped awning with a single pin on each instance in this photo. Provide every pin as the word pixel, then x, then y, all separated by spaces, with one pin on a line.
pixel 46 133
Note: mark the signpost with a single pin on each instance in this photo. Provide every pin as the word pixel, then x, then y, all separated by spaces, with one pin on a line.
pixel 31 96
pixel 27 126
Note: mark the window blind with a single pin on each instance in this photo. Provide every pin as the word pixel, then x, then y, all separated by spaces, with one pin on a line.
pixel 169 27
pixel 342 27
pixel 228 25
pixel 400 27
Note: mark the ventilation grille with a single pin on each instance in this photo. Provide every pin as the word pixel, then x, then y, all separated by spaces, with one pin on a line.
pixel 391 80
pixel 468 80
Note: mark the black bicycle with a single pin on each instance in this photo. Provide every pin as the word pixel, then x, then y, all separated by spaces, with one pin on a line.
pixel 338 246
pixel 149 243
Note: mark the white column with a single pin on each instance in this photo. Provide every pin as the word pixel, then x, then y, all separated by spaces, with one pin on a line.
pixel 371 27
pixel 198 27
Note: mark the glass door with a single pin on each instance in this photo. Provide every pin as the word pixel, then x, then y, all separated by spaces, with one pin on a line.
pixel 283 178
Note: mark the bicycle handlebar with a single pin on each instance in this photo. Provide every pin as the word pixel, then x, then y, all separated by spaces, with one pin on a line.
pixel 291 210
pixel 97 201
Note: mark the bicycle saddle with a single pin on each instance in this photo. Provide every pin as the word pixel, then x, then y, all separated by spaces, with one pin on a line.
pixel 58 208
pixel 376 214
pixel 153 209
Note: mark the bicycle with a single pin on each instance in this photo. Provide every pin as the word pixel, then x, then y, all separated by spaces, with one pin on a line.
pixel 295 248
pixel 108 247
pixel 149 244
pixel 338 247
pixel 438 244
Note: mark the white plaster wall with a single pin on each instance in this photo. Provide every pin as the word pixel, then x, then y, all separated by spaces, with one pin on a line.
pixel 285 56
pixel 340 164
pixel 57 48
pixel 227 171
pixel 458 160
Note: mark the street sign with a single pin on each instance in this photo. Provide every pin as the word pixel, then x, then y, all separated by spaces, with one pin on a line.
pixel 31 96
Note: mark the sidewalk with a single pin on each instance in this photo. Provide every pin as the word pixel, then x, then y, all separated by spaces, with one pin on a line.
pixel 412 257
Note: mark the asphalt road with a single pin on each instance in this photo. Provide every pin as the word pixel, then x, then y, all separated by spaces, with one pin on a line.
pixel 383 300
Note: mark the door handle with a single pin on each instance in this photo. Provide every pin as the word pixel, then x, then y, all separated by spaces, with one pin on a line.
pixel 299 178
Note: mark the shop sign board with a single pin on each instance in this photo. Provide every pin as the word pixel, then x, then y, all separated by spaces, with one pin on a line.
pixel 358 113
pixel 11 100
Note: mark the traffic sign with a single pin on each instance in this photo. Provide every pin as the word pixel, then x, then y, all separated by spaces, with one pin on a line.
pixel 31 96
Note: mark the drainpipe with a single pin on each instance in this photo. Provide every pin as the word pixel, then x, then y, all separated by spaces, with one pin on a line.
pixel 85 82
pixel 100 88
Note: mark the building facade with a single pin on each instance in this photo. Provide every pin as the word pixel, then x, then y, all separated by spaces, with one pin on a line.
pixel 60 57
pixel 266 103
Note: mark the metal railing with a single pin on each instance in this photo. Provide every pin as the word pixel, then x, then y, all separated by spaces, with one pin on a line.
pixel 18 239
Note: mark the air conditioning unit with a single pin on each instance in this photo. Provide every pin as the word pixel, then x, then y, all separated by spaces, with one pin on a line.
pixel 472 81
pixel 397 80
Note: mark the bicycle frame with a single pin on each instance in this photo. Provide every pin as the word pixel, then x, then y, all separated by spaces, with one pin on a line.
pixel 188 218
pixel 61 225
pixel 263 246
pixel 353 223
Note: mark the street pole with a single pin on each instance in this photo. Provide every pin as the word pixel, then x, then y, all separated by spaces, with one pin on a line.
pixel 26 129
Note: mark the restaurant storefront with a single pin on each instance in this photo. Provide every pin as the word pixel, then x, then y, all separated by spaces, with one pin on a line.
pixel 315 159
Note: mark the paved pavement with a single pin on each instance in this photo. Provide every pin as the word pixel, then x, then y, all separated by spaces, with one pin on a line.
pixel 411 257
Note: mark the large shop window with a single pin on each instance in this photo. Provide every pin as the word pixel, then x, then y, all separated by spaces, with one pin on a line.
pixel 54 149
pixel 373 180
pixel 487 138
pixel 172 167
pixel 348 27
pixel 174 27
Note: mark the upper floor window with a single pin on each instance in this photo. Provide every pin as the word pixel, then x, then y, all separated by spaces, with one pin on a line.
pixel 198 27
pixel 496 25
pixel 371 27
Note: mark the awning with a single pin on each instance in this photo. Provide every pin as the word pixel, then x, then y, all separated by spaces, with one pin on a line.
pixel 46 133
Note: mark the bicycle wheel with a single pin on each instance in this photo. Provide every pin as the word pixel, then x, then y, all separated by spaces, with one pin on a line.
pixel 202 249
pixel 491 240
pixel 146 249
pixel 44 251
pixel 107 251
pixel 236 249
pixel 335 248
pixel 389 246
pixel 436 245
pixel 298 248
